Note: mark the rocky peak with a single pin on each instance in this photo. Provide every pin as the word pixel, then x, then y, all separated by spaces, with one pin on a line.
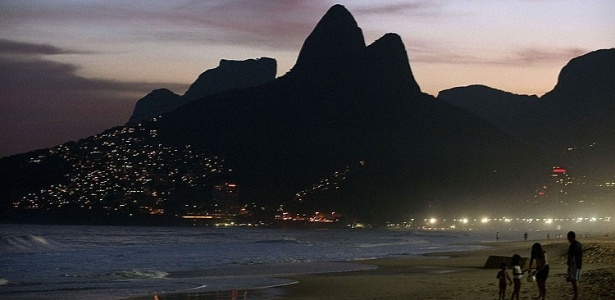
pixel 232 74
pixel 588 73
pixel 153 104
pixel 388 60
pixel 335 43
pixel 586 87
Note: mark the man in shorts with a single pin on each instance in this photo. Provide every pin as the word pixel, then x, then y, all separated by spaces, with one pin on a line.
pixel 575 262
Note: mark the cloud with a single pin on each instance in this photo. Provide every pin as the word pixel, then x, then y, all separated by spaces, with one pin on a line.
pixel 416 8
pixel 268 23
pixel 534 56
pixel 45 103
pixel 439 56
pixel 521 57
pixel 18 48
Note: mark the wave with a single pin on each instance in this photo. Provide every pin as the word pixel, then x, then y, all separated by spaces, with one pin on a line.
pixel 388 244
pixel 432 234
pixel 284 240
pixel 22 243
pixel 3 282
pixel 138 274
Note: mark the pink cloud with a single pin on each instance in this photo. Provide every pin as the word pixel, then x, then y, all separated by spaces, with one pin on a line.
pixel 533 56
pixel 519 57
pixel 415 8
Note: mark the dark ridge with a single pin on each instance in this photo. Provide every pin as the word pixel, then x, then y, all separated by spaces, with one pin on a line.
pixel 232 74
pixel 388 61
pixel 229 75
pixel 154 104
pixel 335 44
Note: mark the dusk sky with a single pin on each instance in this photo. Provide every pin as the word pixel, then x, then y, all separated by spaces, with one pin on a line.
pixel 71 69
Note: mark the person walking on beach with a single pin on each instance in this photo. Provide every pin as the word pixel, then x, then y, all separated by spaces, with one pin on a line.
pixel 503 277
pixel 525 236
pixel 539 256
pixel 574 262
pixel 517 275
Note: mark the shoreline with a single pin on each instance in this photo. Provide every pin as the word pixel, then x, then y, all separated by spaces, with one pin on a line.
pixel 439 275
pixel 395 279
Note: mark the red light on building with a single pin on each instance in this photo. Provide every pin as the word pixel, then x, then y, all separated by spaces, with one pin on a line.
pixel 558 170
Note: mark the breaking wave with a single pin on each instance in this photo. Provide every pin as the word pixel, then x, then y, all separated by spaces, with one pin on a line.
pixel 138 274
pixel 25 243
pixel 285 240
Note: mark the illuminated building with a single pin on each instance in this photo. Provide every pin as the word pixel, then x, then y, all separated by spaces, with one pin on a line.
pixel 226 196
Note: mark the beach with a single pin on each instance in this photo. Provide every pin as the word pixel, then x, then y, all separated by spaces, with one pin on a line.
pixel 444 275
pixel 460 275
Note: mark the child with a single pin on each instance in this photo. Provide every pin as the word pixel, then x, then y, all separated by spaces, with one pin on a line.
pixel 517 275
pixel 503 276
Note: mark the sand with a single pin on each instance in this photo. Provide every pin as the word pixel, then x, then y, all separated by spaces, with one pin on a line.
pixel 451 275
pixel 460 275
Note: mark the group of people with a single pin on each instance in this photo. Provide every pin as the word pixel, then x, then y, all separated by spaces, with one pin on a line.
pixel 538 270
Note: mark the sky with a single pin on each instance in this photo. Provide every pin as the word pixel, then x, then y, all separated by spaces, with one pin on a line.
pixel 71 69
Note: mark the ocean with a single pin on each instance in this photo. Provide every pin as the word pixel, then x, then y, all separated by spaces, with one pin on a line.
pixel 114 262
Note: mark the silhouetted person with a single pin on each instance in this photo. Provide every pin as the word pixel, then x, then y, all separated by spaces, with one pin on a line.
pixel 503 277
pixel 539 256
pixel 575 262
pixel 517 275
pixel 525 236
pixel 497 236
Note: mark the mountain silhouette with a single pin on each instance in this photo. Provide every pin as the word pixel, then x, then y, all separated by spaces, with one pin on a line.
pixel 579 104
pixel 154 104
pixel 232 74
pixel 335 44
pixel 343 103
pixel 229 74
pixel 575 121
pixel 346 130
pixel 509 112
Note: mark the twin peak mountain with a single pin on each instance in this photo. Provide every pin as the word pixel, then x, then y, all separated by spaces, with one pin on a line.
pixel 345 104
pixel 335 46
